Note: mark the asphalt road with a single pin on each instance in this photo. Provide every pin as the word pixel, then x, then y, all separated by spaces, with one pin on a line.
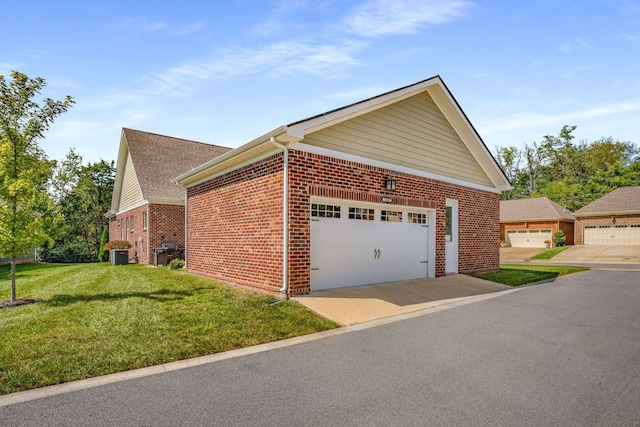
pixel 564 353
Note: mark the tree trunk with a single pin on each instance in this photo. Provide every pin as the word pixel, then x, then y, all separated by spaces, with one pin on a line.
pixel 13 278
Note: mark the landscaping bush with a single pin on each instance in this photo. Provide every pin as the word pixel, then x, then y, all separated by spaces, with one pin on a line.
pixel 103 255
pixel 176 264
pixel 117 244
pixel 559 238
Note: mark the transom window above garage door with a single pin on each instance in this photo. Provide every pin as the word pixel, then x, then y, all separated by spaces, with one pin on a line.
pixel 325 211
pixel 361 213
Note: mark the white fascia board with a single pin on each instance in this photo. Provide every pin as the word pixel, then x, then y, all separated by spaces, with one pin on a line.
pixel 222 169
pixel 229 160
pixel 470 137
pixel 384 165
pixel 128 208
pixel 123 152
pixel 299 130
pixel 165 201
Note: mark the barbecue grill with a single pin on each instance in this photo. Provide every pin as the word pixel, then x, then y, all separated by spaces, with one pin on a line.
pixel 167 252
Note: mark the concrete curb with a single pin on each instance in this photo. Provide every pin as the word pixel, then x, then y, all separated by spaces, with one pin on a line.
pixel 48 391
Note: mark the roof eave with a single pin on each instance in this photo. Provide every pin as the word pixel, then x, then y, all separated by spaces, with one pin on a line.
pixel 605 213
pixel 228 159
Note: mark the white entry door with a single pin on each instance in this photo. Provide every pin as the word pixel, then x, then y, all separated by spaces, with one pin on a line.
pixel 355 244
pixel 451 236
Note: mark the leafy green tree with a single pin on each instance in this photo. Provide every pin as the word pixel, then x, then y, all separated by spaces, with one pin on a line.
pixel 24 168
pixel 83 206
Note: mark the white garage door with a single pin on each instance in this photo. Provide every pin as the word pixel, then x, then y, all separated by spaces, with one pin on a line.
pixel 612 234
pixel 528 238
pixel 356 244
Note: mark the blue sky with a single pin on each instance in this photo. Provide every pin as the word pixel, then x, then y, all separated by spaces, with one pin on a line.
pixel 225 72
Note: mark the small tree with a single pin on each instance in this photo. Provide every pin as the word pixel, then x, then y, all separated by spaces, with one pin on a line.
pixel 559 238
pixel 102 255
pixel 24 168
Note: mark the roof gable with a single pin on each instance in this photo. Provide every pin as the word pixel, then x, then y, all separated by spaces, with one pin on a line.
pixel 294 134
pixel 535 209
pixel 623 200
pixel 154 160
pixel 412 133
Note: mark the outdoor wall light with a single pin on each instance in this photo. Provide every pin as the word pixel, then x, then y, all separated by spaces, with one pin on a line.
pixel 389 184
pixel 613 218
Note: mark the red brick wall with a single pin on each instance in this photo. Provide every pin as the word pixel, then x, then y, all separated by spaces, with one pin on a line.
pixel 162 220
pixel 235 221
pixel 602 220
pixel 566 227
pixel 136 235
pixel 235 226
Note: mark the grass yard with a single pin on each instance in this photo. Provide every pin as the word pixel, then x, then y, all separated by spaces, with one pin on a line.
pixel 550 253
pixel 97 319
pixel 517 275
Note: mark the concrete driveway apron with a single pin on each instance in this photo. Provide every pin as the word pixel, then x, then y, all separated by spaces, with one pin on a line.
pixel 357 304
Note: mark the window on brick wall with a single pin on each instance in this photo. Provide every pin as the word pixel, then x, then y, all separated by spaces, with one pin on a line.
pixel 131 224
pixel 144 220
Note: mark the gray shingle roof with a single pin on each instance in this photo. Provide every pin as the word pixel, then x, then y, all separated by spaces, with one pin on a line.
pixel 157 159
pixel 619 201
pixel 537 209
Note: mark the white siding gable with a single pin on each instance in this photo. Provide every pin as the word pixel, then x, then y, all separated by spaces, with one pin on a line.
pixel 131 193
pixel 412 133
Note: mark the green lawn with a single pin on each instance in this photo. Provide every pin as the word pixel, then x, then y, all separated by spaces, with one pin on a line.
pixel 516 275
pixel 550 253
pixel 97 319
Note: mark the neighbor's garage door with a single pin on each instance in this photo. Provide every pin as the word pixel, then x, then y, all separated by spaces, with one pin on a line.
pixel 356 244
pixel 612 234
pixel 528 238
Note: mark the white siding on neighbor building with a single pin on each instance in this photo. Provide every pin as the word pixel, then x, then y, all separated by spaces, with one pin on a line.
pixel 131 192
pixel 412 133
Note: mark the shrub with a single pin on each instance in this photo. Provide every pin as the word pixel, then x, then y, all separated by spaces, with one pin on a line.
pixel 176 264
pixel 559 238
pixel 103 255
pixel 117 244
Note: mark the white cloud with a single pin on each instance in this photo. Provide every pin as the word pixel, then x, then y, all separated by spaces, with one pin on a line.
pixel 188 29
pixel 279 58
pixel 385 17
pixel 573 45
pixel 520 121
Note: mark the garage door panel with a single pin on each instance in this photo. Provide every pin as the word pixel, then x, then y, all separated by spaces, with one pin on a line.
pixel 349 252
pixel 528 238
pixel 612 234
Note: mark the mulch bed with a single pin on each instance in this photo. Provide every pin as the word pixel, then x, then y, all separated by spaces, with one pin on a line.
pixel 9 303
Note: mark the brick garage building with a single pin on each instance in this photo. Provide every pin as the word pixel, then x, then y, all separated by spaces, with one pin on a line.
pixel 613 219
pixel 531 222
pixel 395 187
pixel 147 207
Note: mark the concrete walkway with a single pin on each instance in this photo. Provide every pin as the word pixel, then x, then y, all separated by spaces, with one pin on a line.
pixel 348 306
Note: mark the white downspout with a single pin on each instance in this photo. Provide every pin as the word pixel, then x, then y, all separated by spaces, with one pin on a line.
pixel 285 213
pixel 186 224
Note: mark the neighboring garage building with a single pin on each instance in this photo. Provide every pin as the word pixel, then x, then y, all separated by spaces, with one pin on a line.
pixel 531 222
pixel 147 207
pixel 613 219
pixel 396 187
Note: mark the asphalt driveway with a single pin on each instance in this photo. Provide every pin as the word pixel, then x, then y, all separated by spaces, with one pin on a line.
pixel 564 353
